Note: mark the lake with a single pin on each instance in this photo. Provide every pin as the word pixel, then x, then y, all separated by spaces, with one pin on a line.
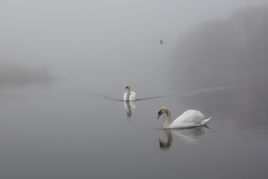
pixel 69 129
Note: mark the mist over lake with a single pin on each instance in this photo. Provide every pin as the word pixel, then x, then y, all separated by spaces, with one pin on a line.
pixel 64 67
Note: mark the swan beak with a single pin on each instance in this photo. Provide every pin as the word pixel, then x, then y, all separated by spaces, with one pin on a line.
pixel 159 115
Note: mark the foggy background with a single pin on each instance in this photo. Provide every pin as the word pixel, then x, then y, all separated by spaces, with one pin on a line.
pixel 106 42
pixel 232 50
pixel 62 63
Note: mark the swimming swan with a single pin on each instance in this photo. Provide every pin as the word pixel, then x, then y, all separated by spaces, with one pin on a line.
pixel 190 118
pixel 129 95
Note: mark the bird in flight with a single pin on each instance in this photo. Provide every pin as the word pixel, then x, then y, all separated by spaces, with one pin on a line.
pixel 161 41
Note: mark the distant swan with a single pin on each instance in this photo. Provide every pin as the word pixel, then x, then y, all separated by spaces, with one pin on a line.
pixel 129 95
pixel 190 118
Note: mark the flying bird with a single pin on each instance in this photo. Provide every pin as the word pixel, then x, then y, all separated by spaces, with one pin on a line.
pixel 161 41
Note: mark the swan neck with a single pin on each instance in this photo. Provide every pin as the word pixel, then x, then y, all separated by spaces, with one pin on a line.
pixel 128 94
pixel 168 119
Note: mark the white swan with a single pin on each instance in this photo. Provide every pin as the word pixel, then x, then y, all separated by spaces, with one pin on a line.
pixel 190 118
pixel 129 95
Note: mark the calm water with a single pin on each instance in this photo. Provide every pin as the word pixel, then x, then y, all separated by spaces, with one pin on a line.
pixel 67 130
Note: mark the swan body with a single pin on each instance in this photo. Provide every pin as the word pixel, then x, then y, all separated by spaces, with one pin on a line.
pixel 129 95
pixel 190 118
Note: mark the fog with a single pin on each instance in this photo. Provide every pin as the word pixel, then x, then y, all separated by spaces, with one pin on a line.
pixel 109 40
pixel 71 60
pixel 227 50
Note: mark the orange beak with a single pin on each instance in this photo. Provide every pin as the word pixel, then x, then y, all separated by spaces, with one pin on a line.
pixel 159 115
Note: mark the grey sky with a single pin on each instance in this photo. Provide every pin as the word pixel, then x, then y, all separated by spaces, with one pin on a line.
pixel 83 35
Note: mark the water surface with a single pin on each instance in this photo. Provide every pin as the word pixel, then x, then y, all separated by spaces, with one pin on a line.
pixel 66 129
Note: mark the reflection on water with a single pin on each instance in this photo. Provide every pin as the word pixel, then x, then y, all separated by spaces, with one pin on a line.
pixel 247 101
pixel 166 145
pixel 61 135
pixel 187 134
pixel 190 134
pixel 129 106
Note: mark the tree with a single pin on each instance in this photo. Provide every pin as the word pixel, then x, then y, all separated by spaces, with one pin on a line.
pixel 224 50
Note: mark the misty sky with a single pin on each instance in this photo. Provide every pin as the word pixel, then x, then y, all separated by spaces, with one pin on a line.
pixel 93 37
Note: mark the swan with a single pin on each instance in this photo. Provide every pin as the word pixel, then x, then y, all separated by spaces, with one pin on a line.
pixel 129 95
pixel 190 118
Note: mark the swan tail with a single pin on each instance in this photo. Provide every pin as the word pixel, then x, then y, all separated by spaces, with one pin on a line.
pixel 205 121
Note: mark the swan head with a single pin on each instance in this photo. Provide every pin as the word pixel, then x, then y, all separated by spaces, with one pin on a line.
pixel 127 88
pixel 161 111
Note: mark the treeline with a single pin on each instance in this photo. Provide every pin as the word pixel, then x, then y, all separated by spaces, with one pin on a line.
pixel 232 50
pixel 11 73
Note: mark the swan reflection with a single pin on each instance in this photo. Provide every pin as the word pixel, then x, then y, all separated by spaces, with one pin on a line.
pixel 166 145
pixel 129 106
pixel 187 134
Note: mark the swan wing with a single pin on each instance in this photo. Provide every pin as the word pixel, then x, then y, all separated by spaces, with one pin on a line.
pixel 132 96
pixel 189 118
